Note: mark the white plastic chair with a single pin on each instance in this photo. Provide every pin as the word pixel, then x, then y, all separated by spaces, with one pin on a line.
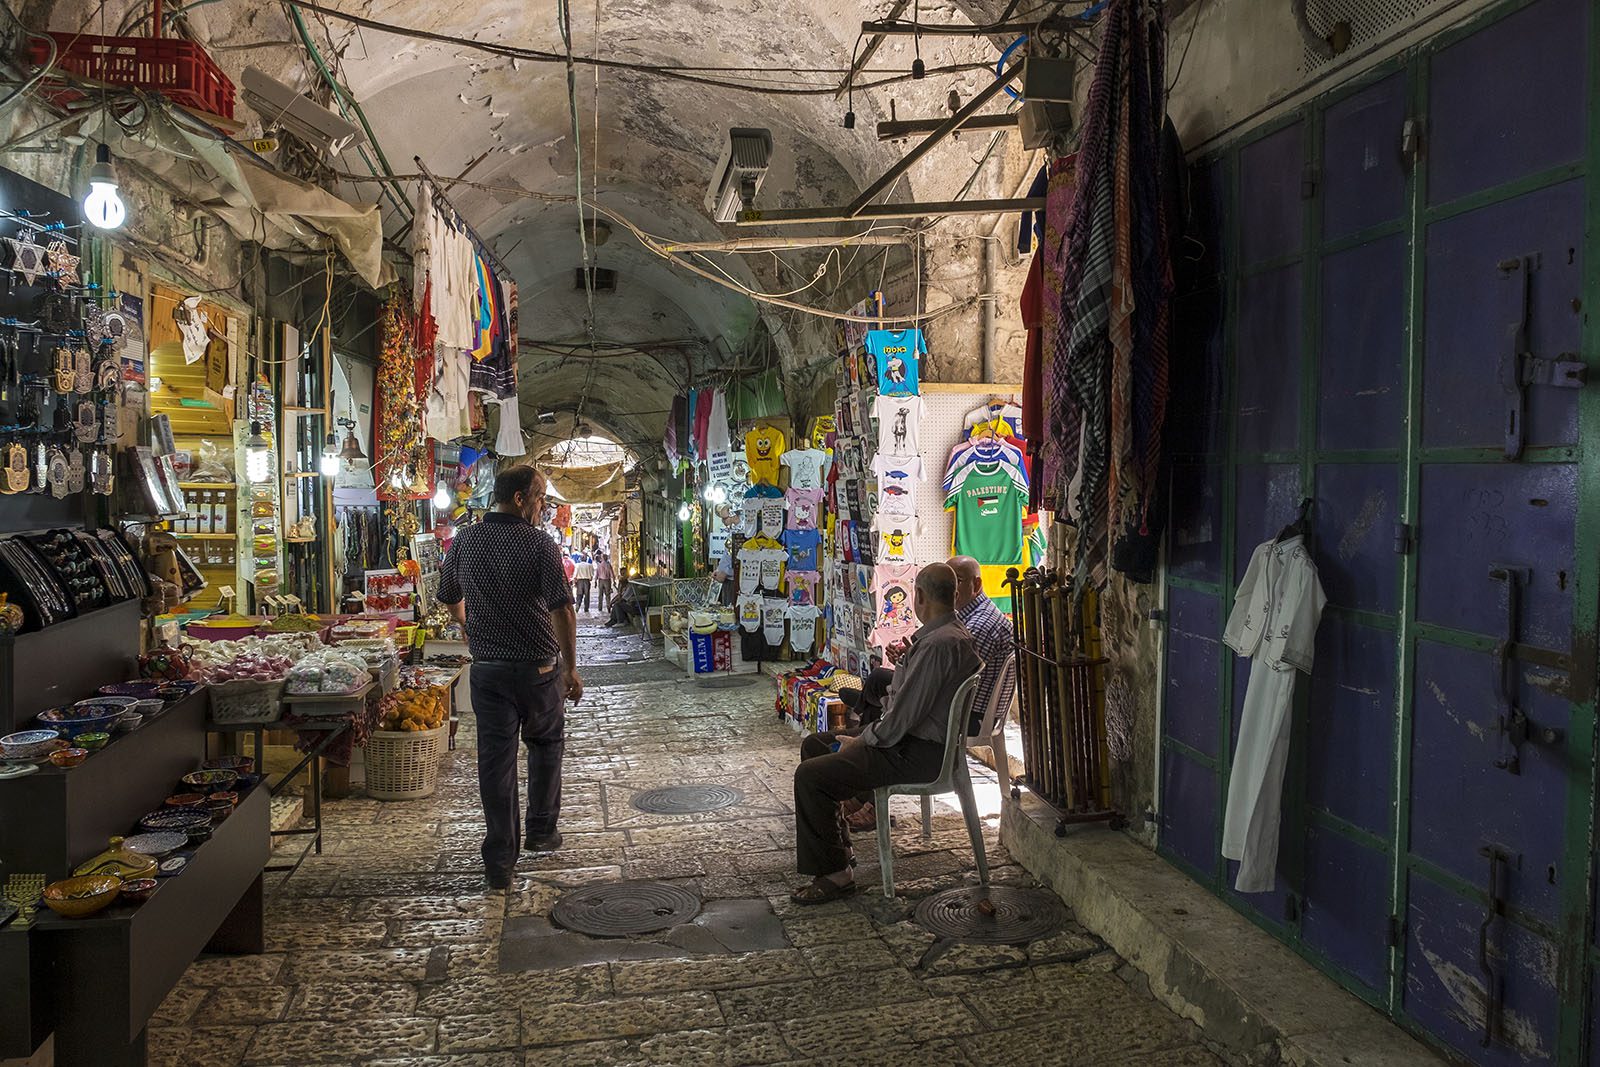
pixel 953 778
pixel 992 730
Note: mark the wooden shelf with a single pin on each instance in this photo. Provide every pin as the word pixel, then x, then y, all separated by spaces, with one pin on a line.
pixel 204 536
pixel 208 485
pixel 306 411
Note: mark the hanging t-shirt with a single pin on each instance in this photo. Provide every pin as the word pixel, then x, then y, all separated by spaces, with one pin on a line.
pixel 719 447
pixel 897 470
pixel 805 506
pixel 772 516
pixel 803 586
pixel 989 501
pixel 750 507
pixel 895 588
pixel 750 612
pixel 807 467
pixel 894 542
pixel 803 546
pixel 802 627
pixel 899 424
pixel 761 562
pixel 898 353
pixel 774 616
pixel 896 504
pixel 763 451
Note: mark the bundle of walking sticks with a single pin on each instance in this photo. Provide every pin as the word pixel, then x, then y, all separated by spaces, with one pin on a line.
pixel 1060 695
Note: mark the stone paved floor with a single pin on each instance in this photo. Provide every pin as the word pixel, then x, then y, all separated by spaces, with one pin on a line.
pixel 386 949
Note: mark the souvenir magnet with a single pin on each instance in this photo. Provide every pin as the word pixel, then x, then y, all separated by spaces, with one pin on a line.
pixel 66 375
pixel 63 264
pixel 83 371
pixel 27 258
pixel 56 472
pixel 106 374
pixel 102 473
pixel 88 424
pixel 75 472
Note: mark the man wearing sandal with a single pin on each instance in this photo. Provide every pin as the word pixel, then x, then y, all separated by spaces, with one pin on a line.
pixel 905 744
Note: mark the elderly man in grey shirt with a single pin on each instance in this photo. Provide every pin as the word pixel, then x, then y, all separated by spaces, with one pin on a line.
pixel 905 744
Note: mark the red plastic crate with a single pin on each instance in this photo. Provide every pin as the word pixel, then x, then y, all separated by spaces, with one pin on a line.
pixel 177 69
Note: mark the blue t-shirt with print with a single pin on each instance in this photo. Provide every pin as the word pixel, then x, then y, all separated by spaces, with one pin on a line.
pixel 802 546
pixel 898 353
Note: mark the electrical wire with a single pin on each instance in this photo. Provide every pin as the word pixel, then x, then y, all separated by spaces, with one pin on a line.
pixel 534 55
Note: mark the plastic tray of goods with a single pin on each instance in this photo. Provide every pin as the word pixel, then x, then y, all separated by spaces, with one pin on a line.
pixel 324 705
pixel 245 700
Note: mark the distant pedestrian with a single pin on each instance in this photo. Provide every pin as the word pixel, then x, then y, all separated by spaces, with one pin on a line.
pixel 569 565
pixel 604 579
pixel 583 575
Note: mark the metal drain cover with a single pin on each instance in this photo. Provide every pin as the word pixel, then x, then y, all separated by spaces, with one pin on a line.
pixel 686 799
pixel 1020 915
pixel 622 909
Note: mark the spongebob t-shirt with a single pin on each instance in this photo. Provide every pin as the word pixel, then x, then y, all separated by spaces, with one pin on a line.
pixel 763 447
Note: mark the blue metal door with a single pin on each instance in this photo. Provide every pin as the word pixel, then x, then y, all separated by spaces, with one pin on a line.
pixel 1402 283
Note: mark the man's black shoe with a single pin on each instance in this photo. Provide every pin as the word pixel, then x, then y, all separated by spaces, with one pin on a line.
pixel 544 843
pixel 499 881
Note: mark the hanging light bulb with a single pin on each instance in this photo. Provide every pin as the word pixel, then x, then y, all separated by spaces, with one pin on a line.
pixel 102 207
pixel 258 455
pixel 718 495
pixel 329 463
pixel 683 512
pixel 441 498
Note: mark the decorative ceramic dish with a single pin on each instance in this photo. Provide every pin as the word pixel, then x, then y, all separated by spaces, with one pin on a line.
pixel 173 865
pixel 179 820
pixel 210 781
pixel 236 764
pixel 138 890
pixel 77 898
pixel 69 757
pixel 139 690
pixel 16 770
pixel 156 844
pixel 130 721
pixel 94 741
pixel 28 744
pixel 150 708
pixel 110 702
pixel 185 800
pixel 118 861
pixel 77 719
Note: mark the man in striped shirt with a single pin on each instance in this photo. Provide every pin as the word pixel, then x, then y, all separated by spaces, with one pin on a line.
pixel 990 629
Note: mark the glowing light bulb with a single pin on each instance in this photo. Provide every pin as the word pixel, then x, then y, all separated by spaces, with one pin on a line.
pixel 102 207
pixel 328 463
pixel 258 455
pixel 683 512
pixel 441 497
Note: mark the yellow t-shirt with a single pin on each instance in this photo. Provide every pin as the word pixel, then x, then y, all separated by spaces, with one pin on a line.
pixel 762 447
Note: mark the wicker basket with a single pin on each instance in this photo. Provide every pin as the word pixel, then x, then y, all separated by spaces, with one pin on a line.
pixel 403 764
pixel 245 700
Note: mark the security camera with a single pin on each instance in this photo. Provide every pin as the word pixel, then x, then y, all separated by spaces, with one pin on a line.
pixel 739 173
pixel 279 105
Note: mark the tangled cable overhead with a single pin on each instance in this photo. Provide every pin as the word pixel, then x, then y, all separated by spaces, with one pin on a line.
pixel 537 55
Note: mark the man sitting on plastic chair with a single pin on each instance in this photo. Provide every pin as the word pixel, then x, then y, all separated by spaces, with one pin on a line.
pixel 905 745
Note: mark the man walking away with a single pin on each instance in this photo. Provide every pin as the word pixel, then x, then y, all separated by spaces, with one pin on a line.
pixel 568 566
pixel 583 576
pixel 603 577
pixel 503 581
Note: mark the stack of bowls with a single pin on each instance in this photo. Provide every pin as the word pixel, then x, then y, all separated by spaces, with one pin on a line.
pixel 28 744
pixel 77 719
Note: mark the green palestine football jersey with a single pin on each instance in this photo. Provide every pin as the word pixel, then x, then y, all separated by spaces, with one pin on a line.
pixel 989 501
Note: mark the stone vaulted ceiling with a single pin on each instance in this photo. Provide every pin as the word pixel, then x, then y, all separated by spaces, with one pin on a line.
pixel 648 147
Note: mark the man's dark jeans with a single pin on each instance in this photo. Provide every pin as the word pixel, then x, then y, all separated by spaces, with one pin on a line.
pixel 512 701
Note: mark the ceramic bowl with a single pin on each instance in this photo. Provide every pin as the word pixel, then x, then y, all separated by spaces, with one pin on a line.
pixel 185 800
pixel 150 708
pixel 157 844
pixel 179 820
pixel 69 757
pixel 237 764
pixel 77 898
pixel 246 782
pixel 210 781
pixel 138 890
pixel 143 689
pixel 120 702
pixel 219 809
pixel 77 719
pixel 175 691
pixel 28 744
pixel 93 742
pixel 128 722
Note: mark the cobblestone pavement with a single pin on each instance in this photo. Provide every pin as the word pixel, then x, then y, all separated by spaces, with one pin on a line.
pixel 386 950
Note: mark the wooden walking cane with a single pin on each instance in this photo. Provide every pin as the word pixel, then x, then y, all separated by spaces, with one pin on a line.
pixel 1071 742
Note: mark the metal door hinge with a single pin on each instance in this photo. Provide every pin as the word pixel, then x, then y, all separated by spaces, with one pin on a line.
pixel 1519 367
pixel 1405 539
pixel 1410 142
pixel 1310 178
pixel 1291 908
pixel 1397 931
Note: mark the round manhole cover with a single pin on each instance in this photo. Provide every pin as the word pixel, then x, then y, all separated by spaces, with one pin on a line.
pixel 686 799
pixel 622 909
pixel 735 681
pixel 1018 915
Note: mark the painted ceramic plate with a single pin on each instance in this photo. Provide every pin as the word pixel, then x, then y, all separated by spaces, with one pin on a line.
pixel 156 844
pixel 173 865
pixel 16 770
pixel 179 822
